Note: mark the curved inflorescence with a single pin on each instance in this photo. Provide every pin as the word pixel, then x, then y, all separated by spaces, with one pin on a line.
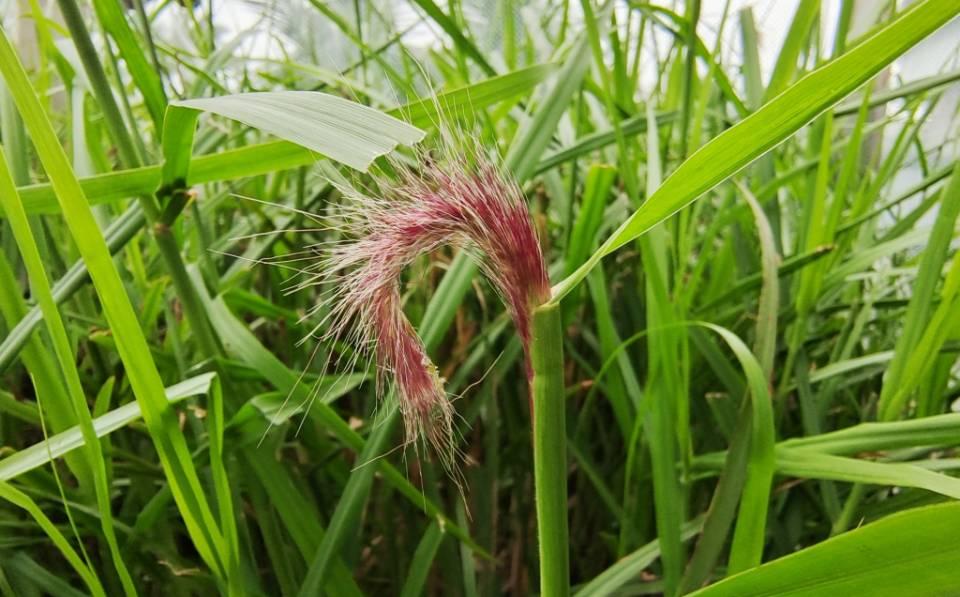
pixel 478 209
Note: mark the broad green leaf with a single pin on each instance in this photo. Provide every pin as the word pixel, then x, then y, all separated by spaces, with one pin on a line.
pixel 339 129
pixel 910 553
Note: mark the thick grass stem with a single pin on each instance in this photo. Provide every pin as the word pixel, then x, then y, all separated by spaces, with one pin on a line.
pixel 550 451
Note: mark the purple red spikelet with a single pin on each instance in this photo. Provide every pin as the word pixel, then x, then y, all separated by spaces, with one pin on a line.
pixel 476 208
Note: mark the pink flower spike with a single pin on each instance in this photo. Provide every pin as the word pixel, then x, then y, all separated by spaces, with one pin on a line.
pixel 478 209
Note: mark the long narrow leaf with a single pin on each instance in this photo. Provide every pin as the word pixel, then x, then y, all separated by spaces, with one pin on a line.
pixel 767 127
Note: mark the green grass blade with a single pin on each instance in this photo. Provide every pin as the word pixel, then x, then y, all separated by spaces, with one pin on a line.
pixel 40 285
pixel 434 109
pixel 131 343
pixel 772 124
pixel 346 516
pixel 299 516
pixel 118 234
pixel 635 125
pixel 583 236
pixel 749 39
pixel 456 34
pixel 39 363
pixel 810 465
pixel 145 76
pixel 749 533
pixel 665 406
pixel 630 567
pixel 415 584
pixel 27 577
pixel 240 342
pixel 793 45
pixel 529 142
pixel 920 310
pixel 62 443
pixel 222 489
pixel 901 554
pixel 98 82
pixel 22 500
pixel 875 437
pixel 535 134
pixel 728 490
pixel 263 158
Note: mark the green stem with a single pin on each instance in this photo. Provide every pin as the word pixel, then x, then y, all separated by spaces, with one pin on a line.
pixel 99 84
pixel 158 214
pixel 550 451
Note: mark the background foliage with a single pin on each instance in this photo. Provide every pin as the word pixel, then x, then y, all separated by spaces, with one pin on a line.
pixel 765 360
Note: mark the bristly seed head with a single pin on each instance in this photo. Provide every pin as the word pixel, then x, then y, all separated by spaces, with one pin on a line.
pixel 477 208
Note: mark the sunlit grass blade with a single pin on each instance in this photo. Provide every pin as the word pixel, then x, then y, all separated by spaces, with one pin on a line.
pixel 40 285
pixel 778 119
pixel 57 445
pixel 131 343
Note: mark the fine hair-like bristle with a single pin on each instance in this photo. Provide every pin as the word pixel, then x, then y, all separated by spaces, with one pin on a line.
pixel 475 207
